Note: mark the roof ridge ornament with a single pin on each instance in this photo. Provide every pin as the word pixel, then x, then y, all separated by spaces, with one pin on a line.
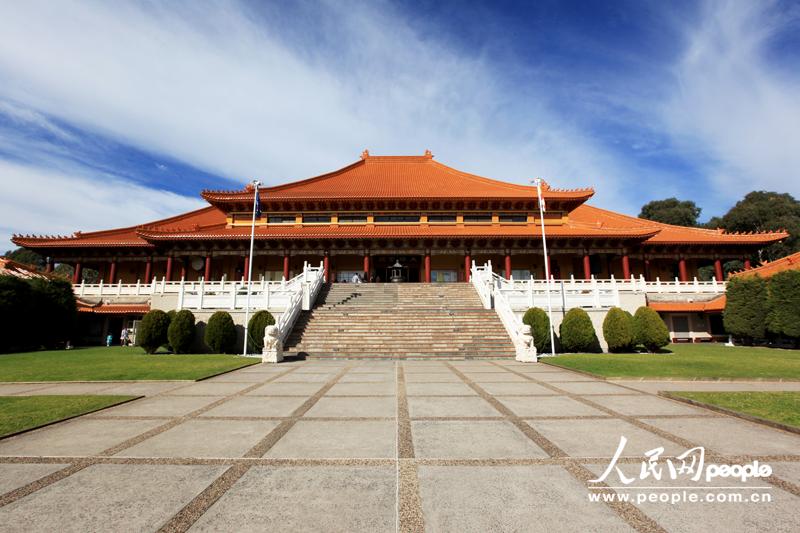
pixel 365 154
pixel 428 154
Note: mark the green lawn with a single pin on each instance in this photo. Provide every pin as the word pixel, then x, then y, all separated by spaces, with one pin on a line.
pixel 18 413
pixel 782 407
pixel 114 363
pixel 690 361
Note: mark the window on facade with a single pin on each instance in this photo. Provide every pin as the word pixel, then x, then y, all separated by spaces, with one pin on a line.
pixel 353 219
pixel 281 219
pixel 396 218
pixel 477 217
pixel 513 217
pixel 316 219
pixel 442 218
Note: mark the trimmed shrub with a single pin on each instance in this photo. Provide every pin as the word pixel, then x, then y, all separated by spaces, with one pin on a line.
pixel 255 330
pixel 537 319
pixel 16 312
pixel 54 304
pixel 577 332
pixel 783 304
pixel 221 333
pixel 649 330
pixel 35 313
pixel 618 330
pixel 180 332
pixel 152 331
pixel 746 308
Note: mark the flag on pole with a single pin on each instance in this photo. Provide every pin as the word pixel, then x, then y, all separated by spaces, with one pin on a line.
pixel 258 204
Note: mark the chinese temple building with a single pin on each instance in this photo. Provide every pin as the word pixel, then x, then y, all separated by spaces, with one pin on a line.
pixel 401 218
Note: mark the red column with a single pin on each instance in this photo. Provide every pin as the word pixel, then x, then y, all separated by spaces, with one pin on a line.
pixel 148 270
pixel 626 267
pixel 168 274
pixel 508 265
pixel 246 272
pixel 366 266
pixel 207 270
pixel 427 267
pixel 48 268
pixel 467 267
pixel 326 267
pixel 183 268
pixel 112 271
pixel 718 270
pixel 76 273
pixel 647 269
pixel 684 276
pixel 286 266
pixel 587 267
pixel 747 264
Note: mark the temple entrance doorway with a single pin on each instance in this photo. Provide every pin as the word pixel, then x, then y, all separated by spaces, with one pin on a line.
pixel 397 268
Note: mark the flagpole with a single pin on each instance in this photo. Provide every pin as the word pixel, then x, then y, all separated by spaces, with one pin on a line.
pixel 256 183
pixel 538 182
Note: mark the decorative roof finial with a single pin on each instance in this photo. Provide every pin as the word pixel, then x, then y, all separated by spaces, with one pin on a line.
pixel 428 154
pixel 365 154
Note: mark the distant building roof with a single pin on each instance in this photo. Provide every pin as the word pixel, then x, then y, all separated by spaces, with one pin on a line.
pixel 9 267
pixel 765 270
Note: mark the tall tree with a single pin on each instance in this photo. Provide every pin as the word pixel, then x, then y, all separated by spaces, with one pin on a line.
pixel 766 211
pixel 26 257
pixel 671 211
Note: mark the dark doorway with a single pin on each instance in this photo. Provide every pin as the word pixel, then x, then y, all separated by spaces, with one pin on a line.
pixel 409 269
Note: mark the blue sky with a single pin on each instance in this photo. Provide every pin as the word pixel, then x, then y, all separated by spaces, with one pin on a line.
pixel 117 113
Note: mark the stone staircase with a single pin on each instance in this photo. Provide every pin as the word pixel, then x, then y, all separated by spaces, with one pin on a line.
pixel 399 321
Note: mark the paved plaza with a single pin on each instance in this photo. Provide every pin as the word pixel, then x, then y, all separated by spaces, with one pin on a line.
pixel 382 446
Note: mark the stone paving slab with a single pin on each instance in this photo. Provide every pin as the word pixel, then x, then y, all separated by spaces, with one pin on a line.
pixel 285 389
pixel 264 406
pixel 10 389
pixel 515 389
pixel 76 388
pixel 471 440
pixel 433 377
pixel 13 476
pixel 204 438
pixel 339 439
pixel 425 406
pixel 310 499
pixel 363 377
pixel 109 497
pixel 593 387
pixel 510 498
pixel 439 389
pixel 209 388
pixel 788 471
pixel 363 389
pixel 159 406
pixel 647 405
pixel 731 435
pixel 600 438
pixel 654 387
pixel 343 407
pixel 77 437
pixel 548 406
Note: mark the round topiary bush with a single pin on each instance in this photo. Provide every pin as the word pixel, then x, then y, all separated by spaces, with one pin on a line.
pixel 255 330
pixel 181 332
pixel 221 333
pixel 649 330
pixel 577 333
pixel 746 308
pixel 537 319
pixel 618 330
pixel 152 331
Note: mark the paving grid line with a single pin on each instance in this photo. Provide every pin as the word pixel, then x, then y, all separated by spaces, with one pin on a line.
pixel 327 462
pixel 711 454
pixel 629 513
pixel 193 510
pixel 410 517
pixel 72 468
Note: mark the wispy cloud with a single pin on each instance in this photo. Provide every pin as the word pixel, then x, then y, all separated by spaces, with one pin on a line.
pixel 63 202
pixel 736 106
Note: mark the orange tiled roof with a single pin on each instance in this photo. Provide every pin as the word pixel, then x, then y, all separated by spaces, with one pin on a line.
pixel 790 262
pixel 717 305
pixel 667 233
pixel 112 309
pixel 398 177
pixel 9 267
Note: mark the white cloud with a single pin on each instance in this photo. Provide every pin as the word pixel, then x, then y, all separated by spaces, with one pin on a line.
pixel 40 201
pixel 735 107
pixel 226 91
